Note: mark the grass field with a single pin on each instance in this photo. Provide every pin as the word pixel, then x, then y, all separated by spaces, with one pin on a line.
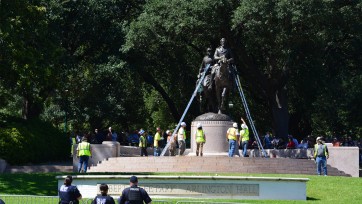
pixel 320 189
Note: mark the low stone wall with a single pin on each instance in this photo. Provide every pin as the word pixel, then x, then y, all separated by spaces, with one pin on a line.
pixel 343 158
pixel 222 187
pixel 99 152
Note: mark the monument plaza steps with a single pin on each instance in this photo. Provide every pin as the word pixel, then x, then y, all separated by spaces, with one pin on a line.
pixel 211 164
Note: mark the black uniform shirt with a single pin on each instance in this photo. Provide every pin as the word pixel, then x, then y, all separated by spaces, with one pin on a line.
pixel 125 195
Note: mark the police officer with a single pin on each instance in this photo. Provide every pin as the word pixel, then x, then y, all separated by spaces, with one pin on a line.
pixel 84 151
pixel 233 137
pixel 134 194
pixel 200 139
pixel 69 194
pixel 103 198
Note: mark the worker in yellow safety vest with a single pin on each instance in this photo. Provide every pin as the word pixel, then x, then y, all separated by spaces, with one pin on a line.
pixel 244 133
pixel 233 137
pixel 200 139
pixel 84 151
pixel 143 143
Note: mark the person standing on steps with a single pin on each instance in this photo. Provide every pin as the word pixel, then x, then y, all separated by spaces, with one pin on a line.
pixel 84 151
pixel 181 137
pixel 321 155
pixel 232 138
pixel 143 143
pixel 156 143
pixel 244 134
pixel 200 139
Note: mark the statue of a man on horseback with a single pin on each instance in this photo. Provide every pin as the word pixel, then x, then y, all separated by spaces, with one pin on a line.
pixel 207 97
pixel 218 83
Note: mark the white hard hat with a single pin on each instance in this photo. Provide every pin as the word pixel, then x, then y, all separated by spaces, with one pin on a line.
pixel 167 132
pixel 319 138
pixel 183 124
pixel 244 126
pixel 235 125
pixel 199 125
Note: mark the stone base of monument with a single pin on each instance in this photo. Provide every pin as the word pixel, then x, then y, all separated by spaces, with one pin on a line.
pixel 205 187
pixel 215 127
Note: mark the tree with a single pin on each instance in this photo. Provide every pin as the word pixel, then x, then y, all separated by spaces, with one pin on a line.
pixel 29 54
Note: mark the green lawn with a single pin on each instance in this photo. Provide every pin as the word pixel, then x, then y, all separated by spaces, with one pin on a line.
pixel 320 189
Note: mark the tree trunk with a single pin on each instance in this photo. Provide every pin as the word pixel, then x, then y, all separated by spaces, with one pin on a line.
pixel 279 103
pixel 148 78
pixel 30 108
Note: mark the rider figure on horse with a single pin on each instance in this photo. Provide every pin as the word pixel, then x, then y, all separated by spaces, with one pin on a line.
pixel 207 60
pixel 221 52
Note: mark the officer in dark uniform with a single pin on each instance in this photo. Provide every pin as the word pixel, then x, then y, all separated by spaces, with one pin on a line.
pixel 104 198
pixel 69 194
pixel 134 194
pixel 2 202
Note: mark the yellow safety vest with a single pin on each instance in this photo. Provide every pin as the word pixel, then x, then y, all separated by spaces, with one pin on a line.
pixel 324 148
pixel 181 132
pixel 245 134
pixel 142 141
pixel 157 138
pixel 200 136
pixel 84 149
pixel 232 134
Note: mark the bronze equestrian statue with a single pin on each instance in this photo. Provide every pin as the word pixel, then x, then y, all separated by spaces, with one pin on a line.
pixel 218 83
pixel 207 97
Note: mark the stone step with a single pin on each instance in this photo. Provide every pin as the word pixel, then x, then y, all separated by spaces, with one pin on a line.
pixel 211 164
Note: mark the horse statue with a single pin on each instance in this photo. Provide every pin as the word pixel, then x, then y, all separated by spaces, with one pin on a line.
pixel 207 97
pixel 223 83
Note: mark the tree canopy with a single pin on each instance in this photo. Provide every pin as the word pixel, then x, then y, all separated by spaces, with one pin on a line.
pixel 134 63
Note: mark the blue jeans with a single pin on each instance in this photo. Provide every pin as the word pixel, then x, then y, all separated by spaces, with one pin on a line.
pixel 156 151
pixel 321 163
pixel 232 144
pixel 244 144
pixel 83 159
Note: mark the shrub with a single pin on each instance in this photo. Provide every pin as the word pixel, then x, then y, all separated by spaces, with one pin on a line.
pixel 31 141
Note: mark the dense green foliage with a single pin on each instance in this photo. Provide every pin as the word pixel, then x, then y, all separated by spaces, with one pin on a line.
pixel 133 63
pixel 31 141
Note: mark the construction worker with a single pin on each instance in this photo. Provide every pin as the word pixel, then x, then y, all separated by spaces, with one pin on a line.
pixel 200 139
pixel 143 143
pixel 244 134
pixel 156 143
pixel 232 137
pixel 84 151
pixel 181 137
pixel 320 156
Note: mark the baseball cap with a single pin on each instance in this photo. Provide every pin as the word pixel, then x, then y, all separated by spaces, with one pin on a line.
pixel 133 179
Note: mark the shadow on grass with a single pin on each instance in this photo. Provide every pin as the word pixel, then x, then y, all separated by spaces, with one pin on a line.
pixel 312 199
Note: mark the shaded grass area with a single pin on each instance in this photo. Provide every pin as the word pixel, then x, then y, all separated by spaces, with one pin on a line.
pixel 320 189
